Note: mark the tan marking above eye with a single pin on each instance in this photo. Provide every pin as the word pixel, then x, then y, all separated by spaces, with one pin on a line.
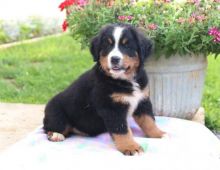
pixel 124 41
pixel 110 41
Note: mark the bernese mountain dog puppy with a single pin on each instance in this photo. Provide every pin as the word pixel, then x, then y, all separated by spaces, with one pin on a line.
pixel 101 99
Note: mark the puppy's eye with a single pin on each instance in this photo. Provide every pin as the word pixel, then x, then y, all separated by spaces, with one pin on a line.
pixel 110 41
pixel 125 44
pixel 124 41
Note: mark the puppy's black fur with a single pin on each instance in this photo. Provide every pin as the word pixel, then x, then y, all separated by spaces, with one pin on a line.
pixel 86 104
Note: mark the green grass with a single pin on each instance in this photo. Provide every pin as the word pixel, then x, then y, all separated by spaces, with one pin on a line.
pixel 211 97
pixel 33 73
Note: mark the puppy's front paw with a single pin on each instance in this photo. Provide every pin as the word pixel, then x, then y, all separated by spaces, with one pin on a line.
pixel 55 137
pixel 132 149
pixel 126 144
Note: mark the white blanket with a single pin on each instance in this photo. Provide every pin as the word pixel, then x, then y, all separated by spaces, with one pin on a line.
pixel 189 146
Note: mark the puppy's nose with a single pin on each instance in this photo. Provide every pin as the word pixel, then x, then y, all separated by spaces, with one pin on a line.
pixel 115 60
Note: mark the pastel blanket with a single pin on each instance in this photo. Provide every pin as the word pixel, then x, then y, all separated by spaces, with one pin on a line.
pixel 188 146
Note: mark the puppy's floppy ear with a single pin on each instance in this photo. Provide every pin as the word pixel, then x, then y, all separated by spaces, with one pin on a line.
pixel 94 49
pixel 145 46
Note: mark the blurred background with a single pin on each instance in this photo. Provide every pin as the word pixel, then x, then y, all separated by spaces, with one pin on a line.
pixel 25 19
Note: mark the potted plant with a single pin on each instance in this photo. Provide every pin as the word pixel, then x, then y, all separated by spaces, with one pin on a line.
pixel 184 34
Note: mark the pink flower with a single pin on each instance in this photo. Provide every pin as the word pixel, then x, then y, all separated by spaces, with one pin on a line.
pixel 159 2
pixel 129 17
pixel 217 40
pixel 200 17
pixel 216 0
pixel 167 1
pixel 81 2
pixel 124 17
pixel 191 20
pixel 121 18
pixel 215 33
pixel 193 15
pixel 152 26
pixel 181 20
pixel 197 2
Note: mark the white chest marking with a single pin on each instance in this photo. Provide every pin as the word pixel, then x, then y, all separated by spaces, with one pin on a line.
pixel 134 99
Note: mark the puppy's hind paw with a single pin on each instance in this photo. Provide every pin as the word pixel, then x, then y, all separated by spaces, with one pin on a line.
pixel 55 137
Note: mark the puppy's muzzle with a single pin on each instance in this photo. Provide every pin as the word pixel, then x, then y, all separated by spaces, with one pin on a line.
pixel 115 60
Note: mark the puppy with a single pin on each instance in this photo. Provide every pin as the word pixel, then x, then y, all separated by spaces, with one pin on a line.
pixel 103 97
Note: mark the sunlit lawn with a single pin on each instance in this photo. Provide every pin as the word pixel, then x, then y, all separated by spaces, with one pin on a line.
pixel 211 97
pixel 32 73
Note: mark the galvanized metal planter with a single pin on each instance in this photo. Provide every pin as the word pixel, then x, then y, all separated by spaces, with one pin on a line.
pixel 176 84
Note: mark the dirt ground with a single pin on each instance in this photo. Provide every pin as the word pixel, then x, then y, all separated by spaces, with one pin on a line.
pixel 17 120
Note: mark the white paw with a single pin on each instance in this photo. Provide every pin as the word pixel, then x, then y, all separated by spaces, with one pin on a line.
pixel 55 137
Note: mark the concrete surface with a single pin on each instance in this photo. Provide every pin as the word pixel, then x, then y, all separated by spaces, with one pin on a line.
pixel 17 120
